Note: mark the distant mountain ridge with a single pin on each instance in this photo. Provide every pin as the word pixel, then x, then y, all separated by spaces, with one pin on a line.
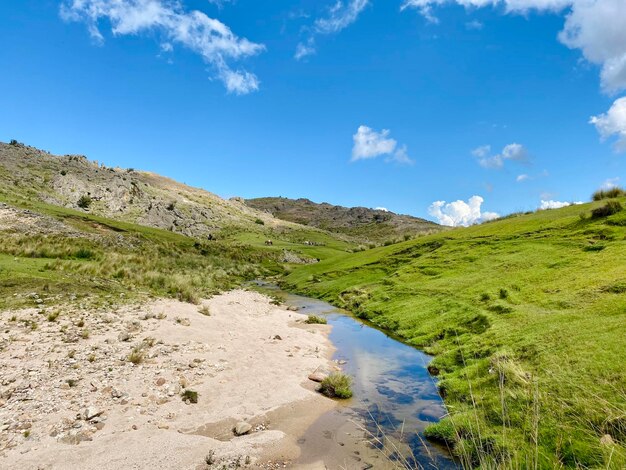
pixel 359 222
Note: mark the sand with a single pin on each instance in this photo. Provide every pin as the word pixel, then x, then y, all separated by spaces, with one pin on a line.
pixel 248 361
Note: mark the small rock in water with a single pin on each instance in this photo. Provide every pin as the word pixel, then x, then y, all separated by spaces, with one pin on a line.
pixel 242 428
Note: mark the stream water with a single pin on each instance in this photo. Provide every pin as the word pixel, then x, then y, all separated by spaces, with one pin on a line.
pixel 394 396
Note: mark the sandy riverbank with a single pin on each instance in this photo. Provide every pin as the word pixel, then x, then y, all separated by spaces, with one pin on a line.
pixel 70 398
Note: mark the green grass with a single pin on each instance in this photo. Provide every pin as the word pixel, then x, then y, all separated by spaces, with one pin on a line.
pixel 526 317
pixel 337 385
pixel 116 258
pixel 328 246
pixel 315 320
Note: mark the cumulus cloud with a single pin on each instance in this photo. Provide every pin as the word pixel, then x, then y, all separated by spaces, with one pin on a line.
pixel 598 29
pixel 340 16
pixel 556 204
pixel 384 209
pixel 613 124
pixel 595 27
pixel 514 152
pixel 461 213
pixel 369 143
pixel 610 183
pixel 208 37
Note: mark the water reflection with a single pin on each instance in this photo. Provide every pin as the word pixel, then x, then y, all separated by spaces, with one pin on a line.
pixel 394 394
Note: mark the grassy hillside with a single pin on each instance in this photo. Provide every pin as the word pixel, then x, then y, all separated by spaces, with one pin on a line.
pixel 360 223
pixel 526 317
pixel 70 227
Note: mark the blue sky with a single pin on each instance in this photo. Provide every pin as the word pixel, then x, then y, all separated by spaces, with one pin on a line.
pixel 394 103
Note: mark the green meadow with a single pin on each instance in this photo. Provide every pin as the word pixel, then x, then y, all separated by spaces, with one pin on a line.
pixel 526 319
pixel 112 258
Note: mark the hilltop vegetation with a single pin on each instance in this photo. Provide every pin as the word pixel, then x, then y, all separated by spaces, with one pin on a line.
pixel 360 223
pixel 526 319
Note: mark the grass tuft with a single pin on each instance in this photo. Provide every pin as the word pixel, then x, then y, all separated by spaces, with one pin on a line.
pixel 337 385
pixel 315 320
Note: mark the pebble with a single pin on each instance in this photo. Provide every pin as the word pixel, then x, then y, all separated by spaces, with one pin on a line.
pixel 242 428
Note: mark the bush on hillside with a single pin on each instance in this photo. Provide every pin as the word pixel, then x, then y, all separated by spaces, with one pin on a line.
pixel 84 202
pixel 608 193
pixel 610 208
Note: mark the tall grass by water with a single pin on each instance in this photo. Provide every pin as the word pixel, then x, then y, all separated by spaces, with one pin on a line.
pixel 525 317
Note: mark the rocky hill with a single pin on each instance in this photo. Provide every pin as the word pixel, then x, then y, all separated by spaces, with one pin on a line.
pixel 144 198
pixel 359 222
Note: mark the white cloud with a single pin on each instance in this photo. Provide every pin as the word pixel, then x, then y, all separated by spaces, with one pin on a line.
pixel 522 177
pixel 610 183
pixel 514 152
pixel 556 204
pixel 474 25
pixel 613 123
pixel 384 209
pixel 482 151
pixel 460 213
pixel 340 16
pixel 401 155
pixel 305 49
pixel 369 143
pixel 208 37
pixel 596 27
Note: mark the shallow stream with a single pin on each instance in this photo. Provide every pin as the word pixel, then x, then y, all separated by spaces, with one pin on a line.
pixel 394 397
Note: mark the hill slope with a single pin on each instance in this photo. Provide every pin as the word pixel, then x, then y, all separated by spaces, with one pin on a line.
pixel 358 222
pixel 137 233
pixel 139 197
pixel 526 317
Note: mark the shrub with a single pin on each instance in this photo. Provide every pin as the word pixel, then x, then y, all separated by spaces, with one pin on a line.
pixel 136 356
pixel 84 202
pixel 14 142
pixel 504 293
pixel 84 253
pixel 608 193
pixel 204 310
pixel 52 316
pixel 337 385
pixel 190 395
pixel 315 320
pixel 259 221
pixel 610 208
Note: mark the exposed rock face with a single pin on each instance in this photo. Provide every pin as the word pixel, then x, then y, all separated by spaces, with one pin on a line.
pixel 129 195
